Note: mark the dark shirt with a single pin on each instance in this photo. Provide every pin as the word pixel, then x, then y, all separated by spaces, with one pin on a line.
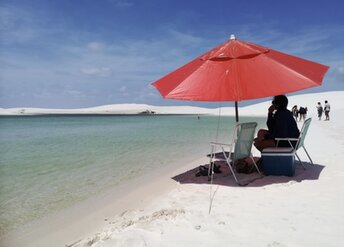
pixel 282 124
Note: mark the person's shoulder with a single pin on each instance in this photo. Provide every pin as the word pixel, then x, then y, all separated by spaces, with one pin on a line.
pixel 284 112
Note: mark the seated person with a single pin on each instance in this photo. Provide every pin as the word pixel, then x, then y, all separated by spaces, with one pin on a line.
pixel 281 124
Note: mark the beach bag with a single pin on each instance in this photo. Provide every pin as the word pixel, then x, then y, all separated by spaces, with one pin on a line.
pixel 246 166
pixel 203 170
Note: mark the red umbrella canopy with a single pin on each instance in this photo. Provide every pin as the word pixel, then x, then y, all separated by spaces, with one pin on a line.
pixel 239 70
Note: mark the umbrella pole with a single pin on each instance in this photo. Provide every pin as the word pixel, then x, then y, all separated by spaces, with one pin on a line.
pixel 236 112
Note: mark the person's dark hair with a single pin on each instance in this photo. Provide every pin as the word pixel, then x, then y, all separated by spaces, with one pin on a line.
pixel 325 101
pixel 319 103
pixel 281 101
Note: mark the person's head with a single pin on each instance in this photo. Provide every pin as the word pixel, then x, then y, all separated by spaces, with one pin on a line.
pixel 319 103
pixel 280 101
pixel 325 101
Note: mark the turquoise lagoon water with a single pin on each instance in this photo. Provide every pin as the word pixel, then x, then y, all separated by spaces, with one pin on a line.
pixel 52 162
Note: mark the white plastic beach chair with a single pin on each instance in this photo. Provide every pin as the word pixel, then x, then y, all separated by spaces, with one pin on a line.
pixel 239 148
pixel 299 143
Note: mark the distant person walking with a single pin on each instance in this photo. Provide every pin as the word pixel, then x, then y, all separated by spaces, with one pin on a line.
pixel 303 113
pixel 320 110
pixel 295 112
pixel 327 109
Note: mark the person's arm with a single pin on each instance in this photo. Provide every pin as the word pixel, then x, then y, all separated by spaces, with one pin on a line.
pixel 271 120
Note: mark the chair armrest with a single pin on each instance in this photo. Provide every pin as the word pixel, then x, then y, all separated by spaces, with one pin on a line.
pixel 220 144
pixel 286 139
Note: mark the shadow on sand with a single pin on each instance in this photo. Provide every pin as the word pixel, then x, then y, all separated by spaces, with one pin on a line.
pixel 312 172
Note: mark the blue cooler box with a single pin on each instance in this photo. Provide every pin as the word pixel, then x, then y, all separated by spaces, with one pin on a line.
pixel 278 161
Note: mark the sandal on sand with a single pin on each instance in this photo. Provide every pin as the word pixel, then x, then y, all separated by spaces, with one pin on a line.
pixel 203 170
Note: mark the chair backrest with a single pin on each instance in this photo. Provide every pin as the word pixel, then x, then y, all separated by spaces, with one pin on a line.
pixel 244 141
pixel 303 133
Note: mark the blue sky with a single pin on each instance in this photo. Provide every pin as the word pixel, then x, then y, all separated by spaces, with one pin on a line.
pixel 81 53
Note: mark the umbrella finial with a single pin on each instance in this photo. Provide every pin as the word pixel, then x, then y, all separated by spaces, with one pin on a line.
pixel 232 37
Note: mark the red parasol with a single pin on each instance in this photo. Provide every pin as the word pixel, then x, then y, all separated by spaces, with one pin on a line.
pixel 239 70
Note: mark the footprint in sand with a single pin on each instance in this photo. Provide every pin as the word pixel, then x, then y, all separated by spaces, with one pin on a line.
pixel 276 244
pixel 198 227
pixel 167 213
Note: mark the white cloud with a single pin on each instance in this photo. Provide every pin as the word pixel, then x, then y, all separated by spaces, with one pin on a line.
pixel 185 38
pixel 336 75
pixel 147 93
pixel 122 89
pixel 75 93
pixel 340 70
pixel 95 46
pixel 99 72
pixel 6 18
pixel 121 3
pixel 16 25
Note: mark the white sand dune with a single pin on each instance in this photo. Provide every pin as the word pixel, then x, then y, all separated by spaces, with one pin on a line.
pixel 309 100
pixel 274 211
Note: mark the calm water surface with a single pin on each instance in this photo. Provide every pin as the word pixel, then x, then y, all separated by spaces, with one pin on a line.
pixel 52 162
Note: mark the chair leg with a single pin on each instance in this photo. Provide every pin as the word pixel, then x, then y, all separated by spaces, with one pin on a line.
pixel 229 160
pixel 255 165
pixel 210 168
pixel 300 161
pixel 232 170
pixel 309 157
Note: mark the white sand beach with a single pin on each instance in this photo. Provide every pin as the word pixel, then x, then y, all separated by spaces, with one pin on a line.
pixel 170 207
